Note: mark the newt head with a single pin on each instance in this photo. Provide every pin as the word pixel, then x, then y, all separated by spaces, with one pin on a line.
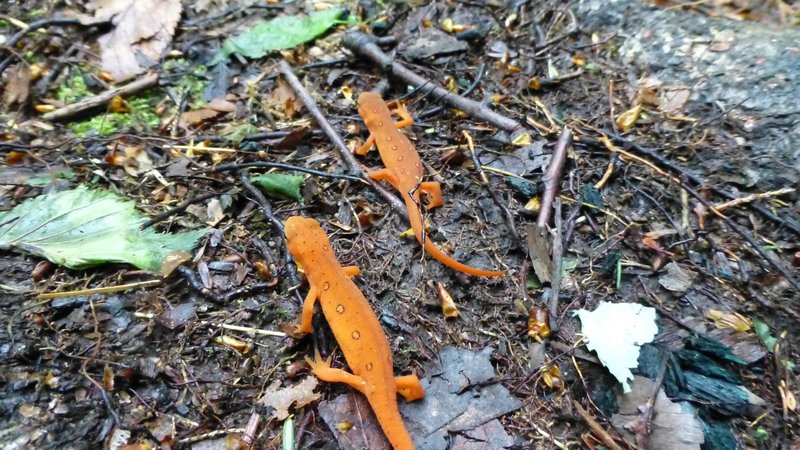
pixel 370 105
pixel 303 234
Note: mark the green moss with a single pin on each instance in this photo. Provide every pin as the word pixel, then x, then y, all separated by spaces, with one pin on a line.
pixel 189 78
pixel 141 117
pixel 73 90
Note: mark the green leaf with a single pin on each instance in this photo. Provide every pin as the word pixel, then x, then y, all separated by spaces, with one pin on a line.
pixel 278 34
pixel 84 227
pixel 533 282
pixel 763 333
pixel 281 185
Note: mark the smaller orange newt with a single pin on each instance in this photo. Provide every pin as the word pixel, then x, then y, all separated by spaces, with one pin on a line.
pixel 404 171
pixel 355 326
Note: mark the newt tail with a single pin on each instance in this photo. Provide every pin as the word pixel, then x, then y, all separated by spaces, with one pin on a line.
pixel 415 218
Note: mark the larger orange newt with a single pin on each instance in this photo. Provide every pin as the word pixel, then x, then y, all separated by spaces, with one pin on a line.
pixel 355 326
pixel 404 171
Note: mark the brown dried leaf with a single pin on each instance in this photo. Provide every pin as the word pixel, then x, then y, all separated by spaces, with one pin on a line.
pixel 18 85
pixel 197 116
pixel 281 399
pixel 143 29
pixel 221 105
pixel 283 101
pixel 673 99
pixel 671 426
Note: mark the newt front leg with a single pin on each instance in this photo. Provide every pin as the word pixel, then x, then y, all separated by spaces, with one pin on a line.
pixel 308 311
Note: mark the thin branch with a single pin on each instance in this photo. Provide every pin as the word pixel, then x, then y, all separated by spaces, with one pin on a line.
pixel 552 178
pixel 595 427
pixel 338 142
pixel 362 45
pixel 558 254
pixel 102 99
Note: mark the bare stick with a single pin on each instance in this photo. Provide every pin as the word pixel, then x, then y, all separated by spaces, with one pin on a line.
pixel 552 178
pixel 103 98
pixel 338 142
pixel 754 197
pixel 362 45
pixel 178 209
pixel 595 427
pixel 558 253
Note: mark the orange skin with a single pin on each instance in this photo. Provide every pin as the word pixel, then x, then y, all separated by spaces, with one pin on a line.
pixel 356 328
pixel 404 171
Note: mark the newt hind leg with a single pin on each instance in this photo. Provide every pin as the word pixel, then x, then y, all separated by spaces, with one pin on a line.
pixel 434 192
pixel 409 387
pixel 323 370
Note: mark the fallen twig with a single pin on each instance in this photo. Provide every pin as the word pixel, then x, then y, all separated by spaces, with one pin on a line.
pixel 362 45
pixel 558 253
pixel 100 290
pixel 552 178
pixel 754 197
pixel 595 427
pixel 103 98
pixel 348 158
pixel 789 223
pixel 605 143
pixel 746 236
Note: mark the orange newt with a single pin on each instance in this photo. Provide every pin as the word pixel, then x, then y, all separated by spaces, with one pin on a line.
pixel 404 171
pixel 355 326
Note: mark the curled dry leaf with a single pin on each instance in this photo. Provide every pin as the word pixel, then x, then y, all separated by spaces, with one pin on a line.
pixel 278 400
pixel 143 29
pixel 18 85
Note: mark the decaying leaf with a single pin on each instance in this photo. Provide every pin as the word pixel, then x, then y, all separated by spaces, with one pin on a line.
pixel 677 279
pixel 459 398
pixel 627 120
pixel 283 101
pixel 278 400
pixel 82 227
pixel 673 426
pixel 133 158
pixel 616 331
pixel 213 109
pixel 17 85
pixel 143 29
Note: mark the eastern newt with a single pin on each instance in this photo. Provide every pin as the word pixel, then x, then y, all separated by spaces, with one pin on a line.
pixel 355 327
pixel 404 171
